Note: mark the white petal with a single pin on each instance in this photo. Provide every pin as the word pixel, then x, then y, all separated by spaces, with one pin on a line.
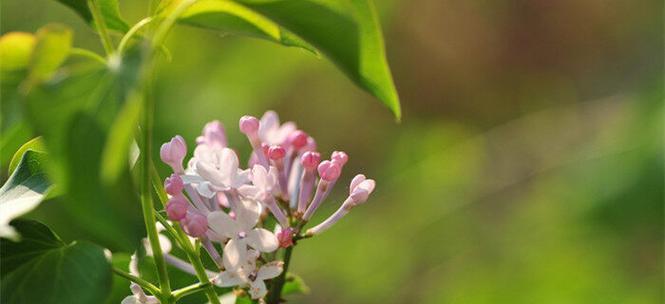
pixel 356 181
pixel 229 278
pixel 284 131
pixel 262 240
pixel 165 243
pixel 210 173
pixel 268 123
pixel 205 189
pixel 257 289
pixel 249 191
pixel 247 214
pixel 228 298
pixel 235 254
pixel 222 224
pixel 367 185
pixel 271 179
pixel 228 163
pixel 260 177
pixel 191 179
pixel 130 300
pixel 270 270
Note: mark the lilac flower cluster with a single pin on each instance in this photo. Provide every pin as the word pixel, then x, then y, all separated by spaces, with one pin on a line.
pixel 215 200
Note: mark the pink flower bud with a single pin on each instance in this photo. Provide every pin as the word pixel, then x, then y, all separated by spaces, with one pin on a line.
pixel 285 237
pixel 276 152
pixel 310 160
pixel 249 125
pixel 339 157
pixel 329 171
pixel 360 189
pixel 176 208
pixel 213 135
pixel 173 152
pixel 195 224
pixel 298 139
pixel 174 184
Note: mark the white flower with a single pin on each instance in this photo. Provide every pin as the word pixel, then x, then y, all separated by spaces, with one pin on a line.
pixel 271 132
pixel 164 242
pixel 215 170
pixel 138 296
pixel 247 273
pixel 241 232
pixel 264 183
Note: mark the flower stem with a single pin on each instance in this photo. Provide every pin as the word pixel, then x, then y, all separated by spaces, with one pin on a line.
pixel 87 54
pixel 101 26
pixel 275 294
pixel 194 288
pixel 141 282
pixel 146 193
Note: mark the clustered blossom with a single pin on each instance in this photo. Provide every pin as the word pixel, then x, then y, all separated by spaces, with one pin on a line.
pixel 217 201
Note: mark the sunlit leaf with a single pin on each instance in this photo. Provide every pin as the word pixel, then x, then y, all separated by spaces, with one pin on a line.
pixel 35 144
pixel 347 32
pixel 43 269
pixel 23 191
pixel 234 18
pixel 108 8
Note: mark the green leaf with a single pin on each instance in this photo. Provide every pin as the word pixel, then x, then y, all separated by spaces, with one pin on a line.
pixel 116 156
pixel 294 285
pixel 43 269
pixel 82 107
pixel 23 191
pixel 234 18
pixel 109 9
pixel 51 49
pixel 34 144
pixel 347 32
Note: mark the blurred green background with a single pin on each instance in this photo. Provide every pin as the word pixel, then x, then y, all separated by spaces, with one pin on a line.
pixel 528 167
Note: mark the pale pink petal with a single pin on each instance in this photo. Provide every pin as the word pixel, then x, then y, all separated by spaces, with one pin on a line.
pixel 247 214
pixel 262 240
pixel 249 191
pixel 356 181
pixel 222 224
pixel 257 289
pixel 270 270
pixel 235 254
pixel 260 177
pixel 228 163
pixel 229 278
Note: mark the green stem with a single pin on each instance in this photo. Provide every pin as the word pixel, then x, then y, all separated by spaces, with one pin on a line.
pixel 131 33
pixel 101 26
pixel 275 294
pixel 87 54
pixel 146 193
pixel 194 288
pixel 141 282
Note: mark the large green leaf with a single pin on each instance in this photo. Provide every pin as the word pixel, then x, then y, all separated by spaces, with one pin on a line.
pixel 347 32
pixel 43 269
pixel 234 18
pixel 74 114
pixel 109 10
pixel 23 191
